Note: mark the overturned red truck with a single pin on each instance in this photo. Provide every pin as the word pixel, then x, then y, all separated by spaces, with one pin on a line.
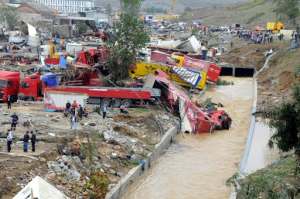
pixel 194 119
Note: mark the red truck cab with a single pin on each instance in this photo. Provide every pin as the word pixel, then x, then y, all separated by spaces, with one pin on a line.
pixel 9 85
pixel 31 87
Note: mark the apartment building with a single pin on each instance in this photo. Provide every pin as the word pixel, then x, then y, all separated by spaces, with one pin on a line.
pixel 68 6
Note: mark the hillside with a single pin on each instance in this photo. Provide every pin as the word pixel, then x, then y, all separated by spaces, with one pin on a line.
pixel 276 82
pixel 274 182
pixel 251 13
pixel 180 4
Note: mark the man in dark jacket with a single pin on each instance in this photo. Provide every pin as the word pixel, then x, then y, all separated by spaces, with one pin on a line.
pixel 33 141
pixel 25 142
pixel 9 100
pixel 14 121
pixel 80 112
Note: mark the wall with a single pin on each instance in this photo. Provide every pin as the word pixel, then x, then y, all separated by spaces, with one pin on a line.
pixel 136 172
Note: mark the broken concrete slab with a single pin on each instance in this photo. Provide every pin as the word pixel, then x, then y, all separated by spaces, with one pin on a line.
pixel 41 189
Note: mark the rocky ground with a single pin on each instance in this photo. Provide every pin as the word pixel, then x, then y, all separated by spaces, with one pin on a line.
pixel 68 158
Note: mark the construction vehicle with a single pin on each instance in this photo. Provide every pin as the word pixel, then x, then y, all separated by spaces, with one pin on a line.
pixel 49 54
pixel 169 63
pixel 275 26
pixel 213 71
pixel 194 119
pixel 141 69
pixel 92 56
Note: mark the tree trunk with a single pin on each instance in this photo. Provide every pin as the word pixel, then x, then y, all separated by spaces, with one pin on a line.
pixel 297 154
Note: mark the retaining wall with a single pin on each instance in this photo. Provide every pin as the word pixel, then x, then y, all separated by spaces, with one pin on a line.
pixel 245 157
pixel 123 185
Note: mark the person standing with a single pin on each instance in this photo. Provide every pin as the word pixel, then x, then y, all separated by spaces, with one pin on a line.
pixel 9 102
pixel 33 141
pixel 123 109
pixel 9 140
pixel 74 120
pixel 25 142
pixel 80 112
pixel 14 121
pixel 68 106
pixel 104 110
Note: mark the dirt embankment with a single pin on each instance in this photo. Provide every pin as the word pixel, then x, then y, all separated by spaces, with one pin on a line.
pixel 275 83
pixel 250 55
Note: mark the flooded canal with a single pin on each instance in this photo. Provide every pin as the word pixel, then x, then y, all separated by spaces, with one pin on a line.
pixel 197 166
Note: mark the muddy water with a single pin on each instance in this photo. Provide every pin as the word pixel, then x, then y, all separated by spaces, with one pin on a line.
pixel 197 166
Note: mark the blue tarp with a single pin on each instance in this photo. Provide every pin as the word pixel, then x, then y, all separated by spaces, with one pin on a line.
pixel 50 79
pixel 62 62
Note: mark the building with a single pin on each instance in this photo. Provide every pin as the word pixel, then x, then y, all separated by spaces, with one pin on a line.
pixel 32 12
pixel 68 6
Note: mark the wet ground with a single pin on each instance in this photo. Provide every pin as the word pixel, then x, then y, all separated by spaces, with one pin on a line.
pixel 197 166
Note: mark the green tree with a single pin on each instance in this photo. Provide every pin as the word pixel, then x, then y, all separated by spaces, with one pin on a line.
pixel 9 16
pixel 287 9
pixel 82 27
pixel 129 35
pixel 285 119
pixel 131 6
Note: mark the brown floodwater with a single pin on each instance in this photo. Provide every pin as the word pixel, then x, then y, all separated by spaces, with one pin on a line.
pixel 197 166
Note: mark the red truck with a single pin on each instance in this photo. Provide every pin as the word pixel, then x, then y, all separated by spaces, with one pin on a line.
pixel 9 85
pixel 31 87
pixel 194 119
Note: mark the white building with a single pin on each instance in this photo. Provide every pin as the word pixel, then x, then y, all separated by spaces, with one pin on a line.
pixel 68 6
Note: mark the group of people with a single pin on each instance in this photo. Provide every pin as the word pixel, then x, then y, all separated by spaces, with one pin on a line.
pixel 26 137
pixel 256 37
pixel 76 111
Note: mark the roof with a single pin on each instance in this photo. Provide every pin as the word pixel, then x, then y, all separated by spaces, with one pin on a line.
pixel 76 18
pixel 9 73
pixel 38 8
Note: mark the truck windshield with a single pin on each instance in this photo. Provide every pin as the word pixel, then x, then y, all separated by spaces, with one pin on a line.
pixel 3 83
